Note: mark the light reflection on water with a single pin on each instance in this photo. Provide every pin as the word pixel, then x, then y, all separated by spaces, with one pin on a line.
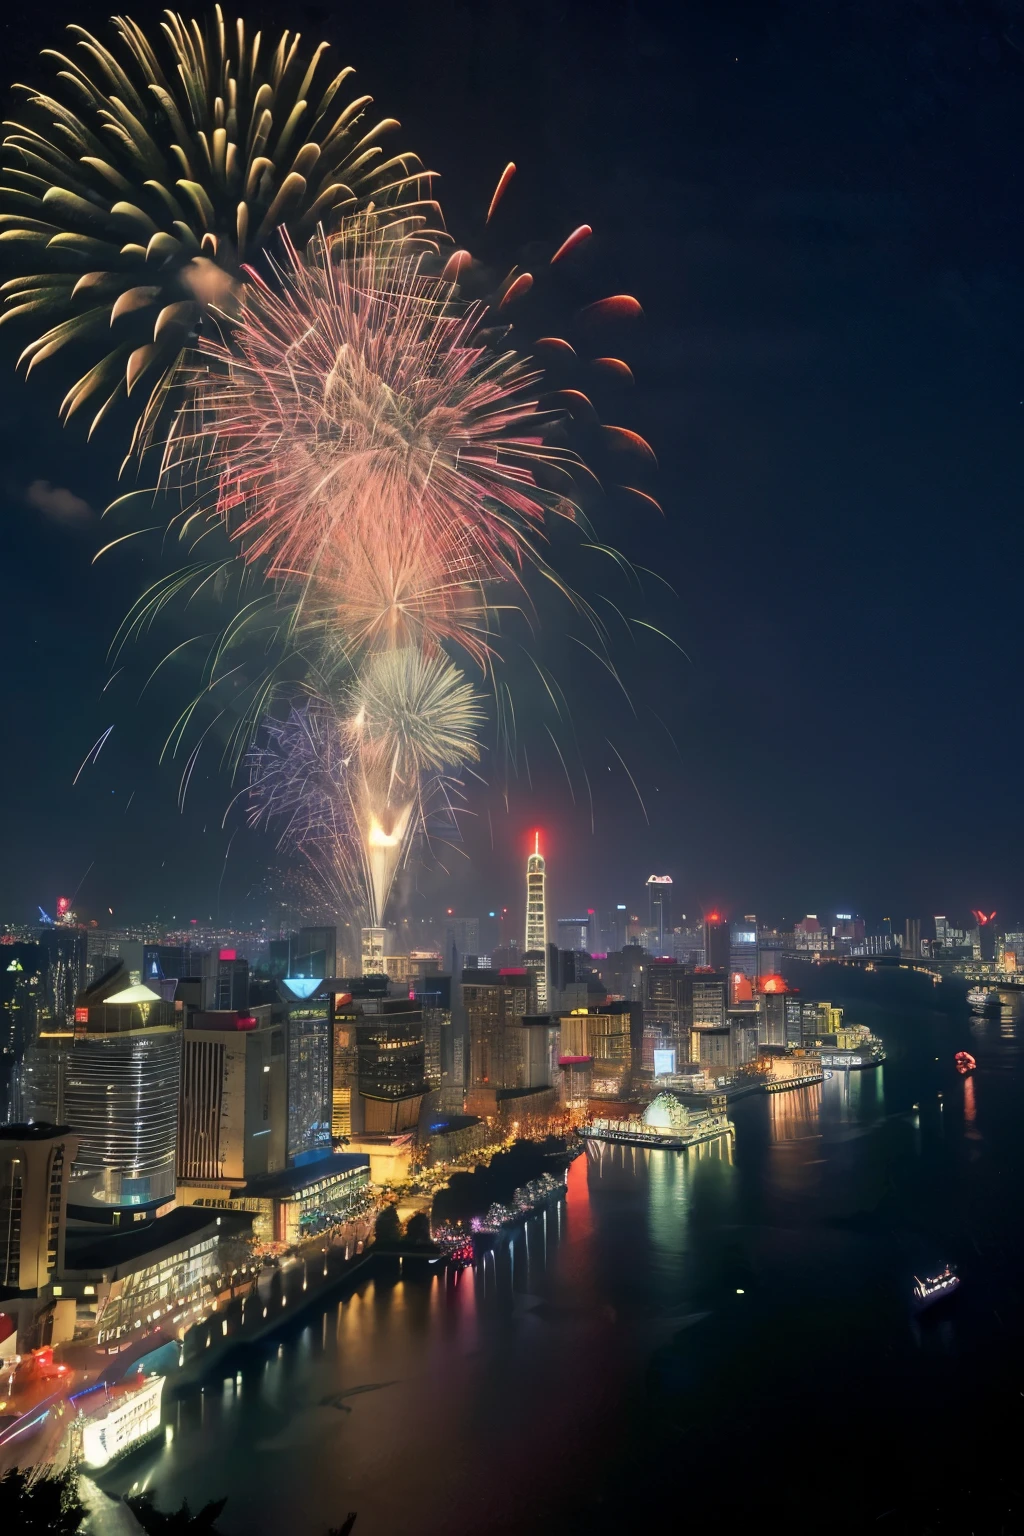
pixel 674 1306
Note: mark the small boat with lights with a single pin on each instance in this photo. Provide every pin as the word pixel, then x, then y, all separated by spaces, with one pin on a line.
pixel 981 997
pixel 666 1123
pixel 934 1288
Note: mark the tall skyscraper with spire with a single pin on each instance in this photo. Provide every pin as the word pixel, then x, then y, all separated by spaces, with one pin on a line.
pixel 537 918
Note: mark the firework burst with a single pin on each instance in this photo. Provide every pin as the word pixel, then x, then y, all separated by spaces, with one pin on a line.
pixel 347 783
pixel 363 436
pixel 135 191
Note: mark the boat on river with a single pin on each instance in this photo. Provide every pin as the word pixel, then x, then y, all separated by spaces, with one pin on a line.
pixel 934 1288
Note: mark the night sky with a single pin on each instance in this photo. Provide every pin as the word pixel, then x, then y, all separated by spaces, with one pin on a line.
pixel 821 210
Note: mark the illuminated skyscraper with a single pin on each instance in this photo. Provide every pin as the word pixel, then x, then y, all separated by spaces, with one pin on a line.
pixel 113 1075
pixel 659 910
pixel 537 917
pixel 717 941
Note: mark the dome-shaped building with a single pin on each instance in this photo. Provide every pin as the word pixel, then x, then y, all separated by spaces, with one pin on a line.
pixel 666 1114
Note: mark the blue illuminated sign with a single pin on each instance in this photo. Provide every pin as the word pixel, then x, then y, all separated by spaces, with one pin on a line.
pixel 302 986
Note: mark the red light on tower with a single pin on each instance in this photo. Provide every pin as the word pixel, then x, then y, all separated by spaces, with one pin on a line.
pixel 63 905
pixel 981 916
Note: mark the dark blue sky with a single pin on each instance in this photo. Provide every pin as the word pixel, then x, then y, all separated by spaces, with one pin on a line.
pixel 820 209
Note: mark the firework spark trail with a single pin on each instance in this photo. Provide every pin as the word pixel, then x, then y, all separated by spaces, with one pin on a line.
pixel 134 192
pixel 348 782
pixel 92 755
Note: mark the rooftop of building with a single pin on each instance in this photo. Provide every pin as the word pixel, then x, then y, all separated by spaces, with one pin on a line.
pixel 290 1181
pixel 37 1130
pixel 123 1248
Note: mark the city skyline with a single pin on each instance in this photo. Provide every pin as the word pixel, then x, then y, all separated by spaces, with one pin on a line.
pixel 511 934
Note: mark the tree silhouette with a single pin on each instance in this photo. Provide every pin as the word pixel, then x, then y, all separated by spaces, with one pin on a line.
pixel 34 1505
pixel 175 1522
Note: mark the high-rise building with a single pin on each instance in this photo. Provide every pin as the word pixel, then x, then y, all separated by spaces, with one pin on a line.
pixel 659 911
pixel 622 973
pixel 668 997
pixel 464 934
pixel 225 976
pixel 716 942
pixel 612 928
pixel 496 1002
pixel 577 933
pixel 537 916
pixel 22 1004
pixel 912 937
pixel 344 1065
pixel 64 949
pixel 392 1075
pixel 35 1164
pixel 315 952
pixel 113 1077
pixel 985 943
pixel 232 1115
pixel 308 1051
pixel 743 959
pixel 609 1035
pixel 434 994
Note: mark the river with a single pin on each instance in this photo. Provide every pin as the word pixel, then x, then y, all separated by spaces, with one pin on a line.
pixel 719 1337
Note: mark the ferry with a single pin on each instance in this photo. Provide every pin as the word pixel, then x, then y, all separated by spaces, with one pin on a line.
pixel 666 1123
pixel 981 997
pixel 122 1421
pixel 870 1053
pixel 934 1288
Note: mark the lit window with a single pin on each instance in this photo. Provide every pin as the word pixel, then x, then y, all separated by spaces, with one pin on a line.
pixel 88 1290
pixel 58 1290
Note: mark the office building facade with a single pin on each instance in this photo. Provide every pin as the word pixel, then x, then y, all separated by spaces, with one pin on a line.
pixel 232 1115
pixel 35 1167
pixel 659 912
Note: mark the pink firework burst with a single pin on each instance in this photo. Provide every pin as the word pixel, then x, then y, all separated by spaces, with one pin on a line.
pixel 374 453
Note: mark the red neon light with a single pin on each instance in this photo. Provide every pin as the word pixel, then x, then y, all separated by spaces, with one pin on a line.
pixel 773 984
pixel 246 1021
pixel 515 970
pixel 228 954
pixel 574 1061
pixel 81 1015
pixel 982 919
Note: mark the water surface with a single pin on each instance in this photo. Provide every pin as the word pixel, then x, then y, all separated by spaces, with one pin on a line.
pixel 723 1335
